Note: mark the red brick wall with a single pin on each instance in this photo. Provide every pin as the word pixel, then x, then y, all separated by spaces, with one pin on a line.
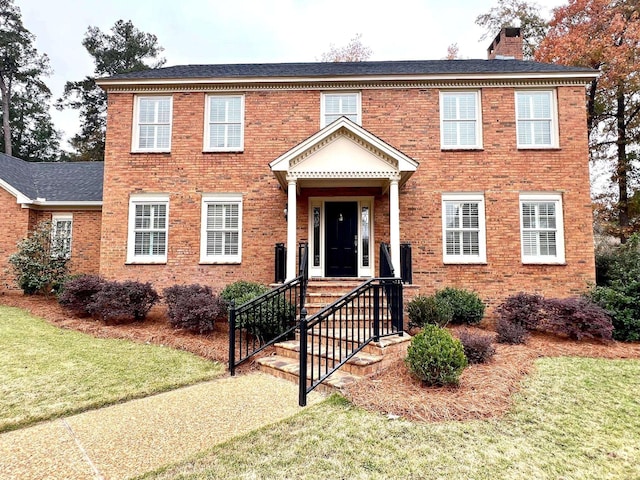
pixel 14 222
pixel 408 119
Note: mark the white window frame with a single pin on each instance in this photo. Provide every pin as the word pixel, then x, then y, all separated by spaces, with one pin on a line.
pixel 135 138
pixel 325 95
pixel 143 199
pixel 207 123
pixel 477 120
pixel 457 198
pixel 556 198
pixel 553 127
pixel 61 217
pixel 209 199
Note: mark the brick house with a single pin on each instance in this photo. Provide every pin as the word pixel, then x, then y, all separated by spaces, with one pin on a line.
pixel 67 194
pixel 480 165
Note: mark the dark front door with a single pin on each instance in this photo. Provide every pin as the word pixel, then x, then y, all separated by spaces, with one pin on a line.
pixel 341 230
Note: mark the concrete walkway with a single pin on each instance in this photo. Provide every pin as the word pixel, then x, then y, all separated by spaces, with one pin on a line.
pixel 135 437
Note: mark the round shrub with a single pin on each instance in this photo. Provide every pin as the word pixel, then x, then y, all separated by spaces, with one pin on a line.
pixel 78 293
pixel 467 306
pixel 242 291
pixel 429 310
pixel 435 357
pixel 477 348
pixel 192 307
pixel 511 333
pixel 128 300
pixel 525 309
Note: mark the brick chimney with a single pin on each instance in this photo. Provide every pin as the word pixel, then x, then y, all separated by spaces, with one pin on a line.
pixel 507 45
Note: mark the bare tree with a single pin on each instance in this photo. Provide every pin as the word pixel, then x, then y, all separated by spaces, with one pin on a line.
pixel 354 51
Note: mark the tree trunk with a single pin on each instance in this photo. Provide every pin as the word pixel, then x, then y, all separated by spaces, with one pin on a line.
pixel 6 125
pixel 622 169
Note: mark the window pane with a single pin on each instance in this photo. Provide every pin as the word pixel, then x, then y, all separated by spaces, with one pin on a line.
pixel 467 133
pixel 453 214
pixel 470 215
pixel 449 107
pixel 453 243
pixel 470 243
pixel 467 106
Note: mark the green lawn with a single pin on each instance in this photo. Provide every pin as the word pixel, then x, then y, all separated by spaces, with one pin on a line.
pixel 47 372
pixel 574 418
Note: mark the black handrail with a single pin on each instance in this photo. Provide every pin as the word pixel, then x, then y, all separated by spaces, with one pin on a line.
pixel 267 319
pixel 386 265
pixel 369 312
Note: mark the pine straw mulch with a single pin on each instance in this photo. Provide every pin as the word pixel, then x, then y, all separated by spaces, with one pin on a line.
pixel 485 390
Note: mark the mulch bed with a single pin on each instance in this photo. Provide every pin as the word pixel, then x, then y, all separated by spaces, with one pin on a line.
pixel 485 390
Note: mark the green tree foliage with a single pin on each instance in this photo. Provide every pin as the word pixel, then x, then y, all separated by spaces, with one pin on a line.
pixel 27 128
pixel 37 265
pixel 516 13
pixel 124 49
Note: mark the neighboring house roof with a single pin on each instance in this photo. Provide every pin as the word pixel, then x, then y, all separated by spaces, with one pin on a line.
pixel 348 69
pixel 52 182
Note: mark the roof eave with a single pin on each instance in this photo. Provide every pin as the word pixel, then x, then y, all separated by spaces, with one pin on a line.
pixel 20 197
pixel 585 76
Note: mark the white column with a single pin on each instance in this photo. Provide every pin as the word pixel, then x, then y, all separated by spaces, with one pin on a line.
pixel 291 229
pixel 394 227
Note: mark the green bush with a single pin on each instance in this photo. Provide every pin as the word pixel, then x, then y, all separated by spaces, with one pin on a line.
pixel 429 310
pixel 467 306
pixel 618 288
pixel 242 291
pixel 435 357
pixel 266 321
pixel 37 267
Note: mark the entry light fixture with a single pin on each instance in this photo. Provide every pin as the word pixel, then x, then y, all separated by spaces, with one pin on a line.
pixel 340 217
pixel 286 211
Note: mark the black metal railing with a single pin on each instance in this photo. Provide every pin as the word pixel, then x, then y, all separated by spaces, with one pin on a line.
pixel 406 268
pixel 339 331
pixel 269 318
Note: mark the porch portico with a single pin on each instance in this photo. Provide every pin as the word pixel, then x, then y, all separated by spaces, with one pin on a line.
pixel 342 155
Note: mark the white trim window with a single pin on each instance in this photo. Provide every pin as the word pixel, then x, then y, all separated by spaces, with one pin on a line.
pixel 460 120
pixel 61 234
pixel 343 104
pixel 463 228
pixel 221 224
pixel 536 116
pixel 152 124
pixel 541 227
pixel 224 123
pixel 148 229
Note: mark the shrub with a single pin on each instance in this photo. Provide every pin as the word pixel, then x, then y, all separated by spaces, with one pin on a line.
pixel 523 309
pixel 435 357
pixel 192 307
pixel 429 310
pixel 512 333
pixel 622 302
pixel 242 291
pixel 477 348
pixel 124 300
pixel 467 306
pixel 577 318
pixel 37 267
pixel 78 292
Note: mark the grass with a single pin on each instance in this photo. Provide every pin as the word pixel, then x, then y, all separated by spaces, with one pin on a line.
pixel 48 372
pixel 575 418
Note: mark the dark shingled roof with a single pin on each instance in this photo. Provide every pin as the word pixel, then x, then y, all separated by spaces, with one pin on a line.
pixel 54 181
pixel 333 69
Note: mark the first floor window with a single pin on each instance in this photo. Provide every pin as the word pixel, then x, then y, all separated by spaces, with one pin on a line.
pixel 61 231
pixel 224 125
pixel 541 223
pixel 463 228
pixel 152 124
pixel 148 229
pixel 221 240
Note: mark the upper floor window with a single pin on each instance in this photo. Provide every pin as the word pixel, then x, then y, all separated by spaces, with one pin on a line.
pixel 221 236
pixel 224 124
pixel 536 119
pixel 460 120
pixel 542 232
pixel 152 124
pixel 148 229
pixel 336 105
pixel 463 228
pixel 61 232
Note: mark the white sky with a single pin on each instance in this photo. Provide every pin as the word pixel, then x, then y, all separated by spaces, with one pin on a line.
pixel 248 31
